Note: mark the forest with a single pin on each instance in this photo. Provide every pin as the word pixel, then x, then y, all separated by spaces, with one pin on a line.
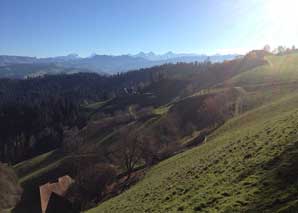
pixel 123 124
pixel 36 112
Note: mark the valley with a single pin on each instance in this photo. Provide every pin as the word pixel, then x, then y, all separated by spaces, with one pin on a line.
pixel 154 106
pixel 221 145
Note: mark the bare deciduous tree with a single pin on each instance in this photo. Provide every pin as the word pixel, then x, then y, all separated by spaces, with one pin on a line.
pixel 90 185
pixel 129 149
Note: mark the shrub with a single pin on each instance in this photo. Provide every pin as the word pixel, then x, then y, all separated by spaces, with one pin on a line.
pixel 90 185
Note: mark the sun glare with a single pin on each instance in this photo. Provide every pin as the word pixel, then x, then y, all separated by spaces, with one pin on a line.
pixel 281 18
pixel 283 11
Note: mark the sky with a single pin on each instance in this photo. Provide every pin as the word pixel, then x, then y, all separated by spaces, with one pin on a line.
pixel 46 28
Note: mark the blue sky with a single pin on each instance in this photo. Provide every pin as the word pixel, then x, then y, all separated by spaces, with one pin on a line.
pixel 59 27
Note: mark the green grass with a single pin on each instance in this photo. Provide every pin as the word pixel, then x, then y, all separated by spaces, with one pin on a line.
pixel 280 69
pixel 250 164
pixel 26 169
pixel 41 171
pixel 189 138
pixel 109 138
pixel 161 110
pixel 96 105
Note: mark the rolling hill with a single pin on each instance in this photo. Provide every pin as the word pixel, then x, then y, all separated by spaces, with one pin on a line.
pixel 33 70
pixel 247 164
pixel 244 166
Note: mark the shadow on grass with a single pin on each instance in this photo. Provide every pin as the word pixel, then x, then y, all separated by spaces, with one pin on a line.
pixel 30 202
pixel 278 190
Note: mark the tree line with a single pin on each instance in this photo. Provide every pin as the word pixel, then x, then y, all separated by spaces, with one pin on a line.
pixel 34 113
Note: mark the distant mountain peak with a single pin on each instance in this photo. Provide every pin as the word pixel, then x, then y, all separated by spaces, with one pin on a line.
pixel 151 53
pixel 169 53
pixel 73 55
pixel 144 55
pixel 110 63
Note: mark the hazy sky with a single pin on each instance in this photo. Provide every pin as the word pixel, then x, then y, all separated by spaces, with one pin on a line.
pixel 59 27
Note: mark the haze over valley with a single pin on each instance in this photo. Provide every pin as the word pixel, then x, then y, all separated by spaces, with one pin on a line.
pixel 24 67
pixel 184 106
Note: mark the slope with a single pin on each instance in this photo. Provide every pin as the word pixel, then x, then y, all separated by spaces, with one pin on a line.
pixel 280 69
pixel 247 165
pixel 244 166
pixel 46 167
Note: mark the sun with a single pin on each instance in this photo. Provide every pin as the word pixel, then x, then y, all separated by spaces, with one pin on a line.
pixel 282 11
pixel 281 19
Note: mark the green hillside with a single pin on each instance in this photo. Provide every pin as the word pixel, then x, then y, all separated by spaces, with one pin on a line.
pixel 280 69
pixel 26 170
pixel 247 165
